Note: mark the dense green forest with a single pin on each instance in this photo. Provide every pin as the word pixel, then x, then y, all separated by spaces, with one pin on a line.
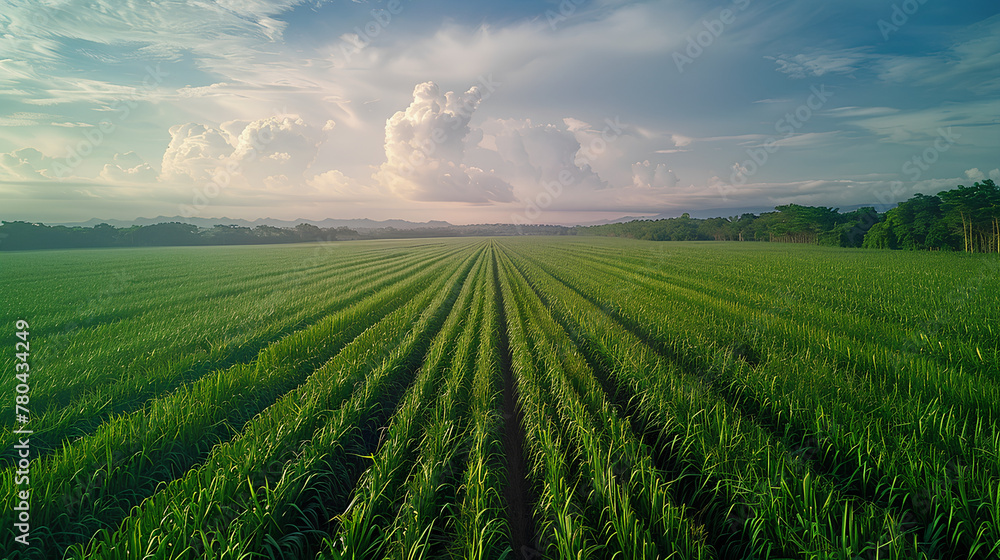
pixel 961 219
pixel 791 223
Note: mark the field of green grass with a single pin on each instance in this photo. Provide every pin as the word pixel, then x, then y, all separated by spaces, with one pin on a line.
pixel 502 398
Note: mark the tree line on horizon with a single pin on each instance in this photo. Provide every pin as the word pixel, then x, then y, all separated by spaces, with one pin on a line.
pixel 26 236
pixel 960 219
pixel 18 236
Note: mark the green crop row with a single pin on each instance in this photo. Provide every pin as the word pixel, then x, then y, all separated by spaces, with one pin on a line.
pixel 364 527
pixel 298 450
pixel 111 326
pixel 831 427
pixel 96 480
pixel 634 506
pixel 100 401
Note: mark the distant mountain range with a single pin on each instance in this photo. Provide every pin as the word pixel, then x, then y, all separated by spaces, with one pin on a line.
pixel 356 224
pixel 365 224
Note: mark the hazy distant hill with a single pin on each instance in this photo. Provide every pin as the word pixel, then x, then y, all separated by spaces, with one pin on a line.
pixel 356 224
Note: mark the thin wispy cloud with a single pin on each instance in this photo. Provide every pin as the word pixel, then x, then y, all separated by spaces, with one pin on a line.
pixel 819 64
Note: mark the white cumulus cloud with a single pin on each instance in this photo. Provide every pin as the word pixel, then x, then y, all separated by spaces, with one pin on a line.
pixel 274 152
pixel 534 155
pixel 646 175
pixel 975 174
pixel 26 164
pixel 334 185
pixel 425 146
pixel 195 153
pixel 128 167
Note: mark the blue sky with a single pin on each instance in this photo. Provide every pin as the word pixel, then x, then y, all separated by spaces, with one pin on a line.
pixel 531 112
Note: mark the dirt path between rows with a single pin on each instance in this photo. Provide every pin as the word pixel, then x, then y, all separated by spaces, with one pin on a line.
pixel 517 489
